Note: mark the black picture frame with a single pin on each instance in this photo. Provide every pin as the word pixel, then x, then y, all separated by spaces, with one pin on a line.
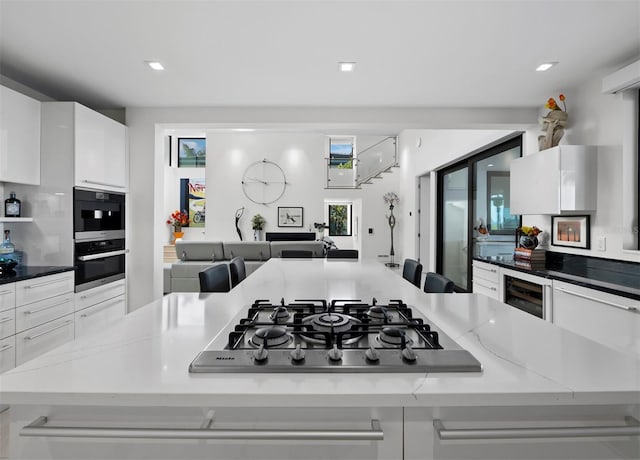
pixel 571 231
pixel 290 216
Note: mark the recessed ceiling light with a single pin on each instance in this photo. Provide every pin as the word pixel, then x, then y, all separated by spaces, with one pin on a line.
pixel 347 66
pixel 545 66
pixel 489 165
pixel 244 130
pixel 155 65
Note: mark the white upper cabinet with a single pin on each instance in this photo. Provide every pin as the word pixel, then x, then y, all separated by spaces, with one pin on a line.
pixel 100 151
pixel 19 138
pixel 555 180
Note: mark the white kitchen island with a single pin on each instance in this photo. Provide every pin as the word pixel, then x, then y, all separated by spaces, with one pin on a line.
pixel 132 379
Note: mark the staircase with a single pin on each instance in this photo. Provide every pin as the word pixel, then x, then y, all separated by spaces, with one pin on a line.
pixel 369 164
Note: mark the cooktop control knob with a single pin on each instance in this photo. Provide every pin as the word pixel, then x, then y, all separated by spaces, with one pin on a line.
pixel 297 354
pixel 335 354
pixel 372 354
pixel 408 353
pixel 261 354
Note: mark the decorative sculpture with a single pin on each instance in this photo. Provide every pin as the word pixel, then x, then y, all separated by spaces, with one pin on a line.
pixel 553 124
pixel 239 213
pixel 391 199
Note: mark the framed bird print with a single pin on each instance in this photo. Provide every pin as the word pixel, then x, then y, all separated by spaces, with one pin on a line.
pixel 289 217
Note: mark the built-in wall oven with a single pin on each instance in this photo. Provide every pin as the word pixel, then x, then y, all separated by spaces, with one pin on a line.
pixel 526 292
pixel 99 232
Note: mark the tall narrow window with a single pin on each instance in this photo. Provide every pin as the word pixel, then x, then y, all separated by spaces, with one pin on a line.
pixel 341 152
pixel 339 220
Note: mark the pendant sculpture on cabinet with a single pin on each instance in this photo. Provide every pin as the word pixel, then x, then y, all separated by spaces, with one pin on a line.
pixel 239 213
pixel 391 199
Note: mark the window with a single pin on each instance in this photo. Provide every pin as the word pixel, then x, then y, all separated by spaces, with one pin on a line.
pixel 192 152
pixel 341 152
pixel 339 220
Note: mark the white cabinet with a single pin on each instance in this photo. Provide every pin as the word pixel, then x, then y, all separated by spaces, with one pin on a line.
pixel 267 433
pixel 94 144
pixel 100 151
pixel 606 318
pixel 99 307
pixel 19 138
pixel 488 433
pixel 558 179
pixel 36 315
pixel 486 279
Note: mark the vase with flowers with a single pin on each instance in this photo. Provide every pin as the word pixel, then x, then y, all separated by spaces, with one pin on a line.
pixel 257 224
pixel 177 220
pixel 527 237
pixel 553 123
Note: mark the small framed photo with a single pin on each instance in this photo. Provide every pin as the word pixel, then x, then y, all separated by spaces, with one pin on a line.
pixel 289 217
pixel 570 231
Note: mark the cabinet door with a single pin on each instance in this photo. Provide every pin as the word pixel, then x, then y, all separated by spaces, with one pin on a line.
pixel 486 279
pixel 19 138
pixel 36 289
pixel 269 433
pixel 7 323
pixel 99 294
pixel 606 318
pixel 100 151
pixel 37 313
pixel 7 354
pixel 7 296
pixel 38 340
pixel 97 317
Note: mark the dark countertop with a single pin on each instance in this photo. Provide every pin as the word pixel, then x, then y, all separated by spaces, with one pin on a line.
pixel 25 272
pixel 613 276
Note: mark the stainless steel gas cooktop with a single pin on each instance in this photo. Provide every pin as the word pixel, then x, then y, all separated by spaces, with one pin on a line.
pixel 337 336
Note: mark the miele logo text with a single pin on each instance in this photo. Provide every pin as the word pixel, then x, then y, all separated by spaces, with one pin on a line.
pixel 225 358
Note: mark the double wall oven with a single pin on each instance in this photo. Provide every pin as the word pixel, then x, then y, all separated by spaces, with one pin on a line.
pixel 99 236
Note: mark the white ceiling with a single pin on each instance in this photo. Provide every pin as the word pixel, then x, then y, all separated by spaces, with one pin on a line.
pixel 271 53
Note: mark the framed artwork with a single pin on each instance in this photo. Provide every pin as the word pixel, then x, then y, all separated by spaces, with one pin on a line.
pixel 193 200
pixel 570 231
pixel 289 217
pixel 192 152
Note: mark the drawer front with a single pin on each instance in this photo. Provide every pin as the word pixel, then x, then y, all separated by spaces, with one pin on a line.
pixel 44 287
pixel 7 354
pixel 38 340
pixel 7 296
pixel 99 316
pixel 99 294
pixel 487 272
pixel 486 288
pixel 37 313
pixel 7 323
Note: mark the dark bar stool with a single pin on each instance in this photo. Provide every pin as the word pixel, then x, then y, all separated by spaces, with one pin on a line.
pixel 437 283
pixel 412 271
pixel 342 254
pixel 215 279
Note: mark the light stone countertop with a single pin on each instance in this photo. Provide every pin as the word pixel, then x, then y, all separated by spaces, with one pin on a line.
pixel 143 360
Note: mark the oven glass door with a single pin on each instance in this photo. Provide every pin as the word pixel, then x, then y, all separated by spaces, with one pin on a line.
pixel 95 211
pixel 99 262
pixel 524 295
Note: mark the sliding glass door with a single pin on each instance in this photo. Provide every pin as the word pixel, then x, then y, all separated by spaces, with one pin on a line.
pixel 473 211
pixel 454 219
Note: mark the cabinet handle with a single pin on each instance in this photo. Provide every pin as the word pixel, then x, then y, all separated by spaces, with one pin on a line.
pixel 5 320
pixel 6 292
pixel 5 348
pixel 632 428
pixel 45 283
pixel 98 291
pixel 492 270
pixel 102 255
pixel 92 312
pixel 108 184
pixel 38 310
pixel 484 286
pixel 31 337
pixel 588 297
pixel 39 427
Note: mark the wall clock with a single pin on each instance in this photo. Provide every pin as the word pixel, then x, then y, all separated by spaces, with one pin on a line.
pixel 263 182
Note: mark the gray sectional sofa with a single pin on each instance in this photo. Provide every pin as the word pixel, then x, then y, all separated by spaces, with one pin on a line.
pixel 182 276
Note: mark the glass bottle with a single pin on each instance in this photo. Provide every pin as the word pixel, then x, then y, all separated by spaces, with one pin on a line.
pixel 7 248
pixel 12 206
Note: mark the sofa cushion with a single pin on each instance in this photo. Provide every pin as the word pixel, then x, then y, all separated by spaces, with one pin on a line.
pixel 248 250
pixel 190 268
pixel 199 250
pixel 316 247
